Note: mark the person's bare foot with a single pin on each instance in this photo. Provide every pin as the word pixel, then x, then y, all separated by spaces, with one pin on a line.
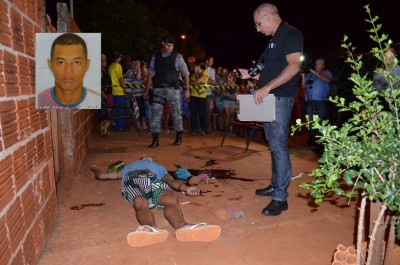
pixel 96 170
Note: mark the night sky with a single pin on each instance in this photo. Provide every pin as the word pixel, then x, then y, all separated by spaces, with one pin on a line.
pixel 226 28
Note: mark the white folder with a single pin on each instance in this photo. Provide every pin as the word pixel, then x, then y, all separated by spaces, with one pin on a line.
pixel 247 110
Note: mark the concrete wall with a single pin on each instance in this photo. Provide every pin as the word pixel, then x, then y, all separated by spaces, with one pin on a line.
pixel 28 200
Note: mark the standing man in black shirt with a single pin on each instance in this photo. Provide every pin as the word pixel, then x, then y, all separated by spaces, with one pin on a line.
pixel 278 75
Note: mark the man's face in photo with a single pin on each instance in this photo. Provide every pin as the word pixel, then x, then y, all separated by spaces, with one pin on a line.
pixel 69 65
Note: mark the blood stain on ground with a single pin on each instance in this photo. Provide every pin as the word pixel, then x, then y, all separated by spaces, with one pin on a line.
pixel 81 206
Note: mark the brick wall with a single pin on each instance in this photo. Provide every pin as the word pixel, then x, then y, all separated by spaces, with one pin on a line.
pixel 75 130
pixel 28 202
pixel 28 199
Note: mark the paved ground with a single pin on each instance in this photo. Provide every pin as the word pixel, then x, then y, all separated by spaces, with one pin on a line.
pixel 94 219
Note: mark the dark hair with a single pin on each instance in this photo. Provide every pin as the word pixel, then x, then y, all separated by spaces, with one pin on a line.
pixel 67 39
pixel 202 65
pixel 208 57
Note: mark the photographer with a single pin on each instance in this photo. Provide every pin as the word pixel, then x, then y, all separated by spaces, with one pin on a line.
pixel 317 90
pixel 277 72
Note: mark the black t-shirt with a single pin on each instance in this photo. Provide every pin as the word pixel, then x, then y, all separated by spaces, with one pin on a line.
pixel 286 40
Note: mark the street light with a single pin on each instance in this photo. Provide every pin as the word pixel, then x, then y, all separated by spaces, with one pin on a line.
pixel 183 36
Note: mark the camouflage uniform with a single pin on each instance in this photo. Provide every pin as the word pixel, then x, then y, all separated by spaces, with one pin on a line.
pixel 160 96
pixel 163 69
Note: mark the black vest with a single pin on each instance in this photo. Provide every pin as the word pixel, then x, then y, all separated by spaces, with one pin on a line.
pixel 165 71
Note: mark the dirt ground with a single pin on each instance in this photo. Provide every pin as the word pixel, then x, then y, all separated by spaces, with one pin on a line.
pixel 94 219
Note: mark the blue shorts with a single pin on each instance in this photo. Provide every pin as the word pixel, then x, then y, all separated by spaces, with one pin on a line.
pixel 229 104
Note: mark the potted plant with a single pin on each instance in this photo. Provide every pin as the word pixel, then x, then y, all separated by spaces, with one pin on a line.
pixel 364 152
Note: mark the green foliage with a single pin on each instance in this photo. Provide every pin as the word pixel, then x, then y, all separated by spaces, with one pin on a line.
pixel 364 153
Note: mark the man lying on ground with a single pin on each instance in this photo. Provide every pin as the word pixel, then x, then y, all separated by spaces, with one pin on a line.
pixel 147 185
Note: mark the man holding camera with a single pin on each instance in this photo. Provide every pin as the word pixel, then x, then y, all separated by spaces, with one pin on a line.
pixel 317 90
pixel 277 72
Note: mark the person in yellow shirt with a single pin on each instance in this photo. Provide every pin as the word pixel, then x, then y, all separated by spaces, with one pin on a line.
pixel 198 99
pixel 117 81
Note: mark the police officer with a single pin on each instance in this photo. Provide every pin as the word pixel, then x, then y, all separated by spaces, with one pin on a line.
pixel 164 68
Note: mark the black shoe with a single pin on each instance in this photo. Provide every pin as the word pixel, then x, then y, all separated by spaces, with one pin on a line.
pixel 266 191
pixel 275 208
pixel 177 142
pixel 178 139
pixel 154 144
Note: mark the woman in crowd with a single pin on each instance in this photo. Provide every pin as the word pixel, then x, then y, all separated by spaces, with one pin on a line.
pixel 134 80
pixel 229 104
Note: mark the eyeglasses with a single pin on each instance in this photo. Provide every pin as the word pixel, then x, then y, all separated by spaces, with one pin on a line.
pixel 258 24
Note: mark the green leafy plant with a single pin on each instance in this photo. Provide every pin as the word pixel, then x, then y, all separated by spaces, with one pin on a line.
pixel 364 152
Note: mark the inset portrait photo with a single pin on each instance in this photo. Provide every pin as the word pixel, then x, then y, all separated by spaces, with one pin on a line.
pixel 68 70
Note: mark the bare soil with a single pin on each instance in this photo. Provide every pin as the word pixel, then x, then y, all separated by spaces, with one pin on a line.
pixel 94 219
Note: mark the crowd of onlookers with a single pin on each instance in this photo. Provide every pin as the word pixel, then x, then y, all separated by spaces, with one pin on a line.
pixel 213 91
pixel 210 108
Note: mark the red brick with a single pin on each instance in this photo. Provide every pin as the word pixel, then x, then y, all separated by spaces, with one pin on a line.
pixel 10 74
pixel 48 143
pixel 47 189
pixel 19 157
pixel 9 128
pixel 6 182
pixel 6 106
pixel 40 148
pixel 29 38
pixel 35 122
pixel 44 121
pixel 5 250
pixel 29 205
pixel 17 32
pixel 47 175
pixel 9 115
pixel 21 176
pixel 23 108
pixel 18 258
pixel 23 119
pixel 50 214
pixel 31 10
pixel 21 5
pixel 15 223
pixel 29 249
pixel 2 79
pixel 31 158
pixel 5 31
pixel 32 75
pixel 24 129
pixel 25 82
pixel 20 168
pixel 38 191
pixel 38 234
pixel 40 12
